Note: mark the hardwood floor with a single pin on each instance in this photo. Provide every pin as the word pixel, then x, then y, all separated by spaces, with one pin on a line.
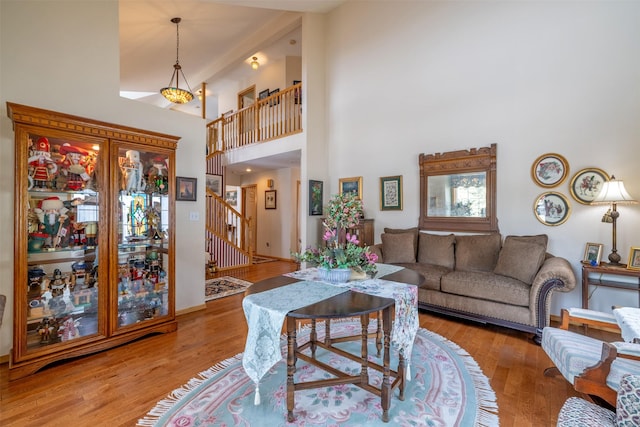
pixel 118 386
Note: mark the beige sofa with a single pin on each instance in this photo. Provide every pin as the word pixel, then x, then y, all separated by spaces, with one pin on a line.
pixel 480 277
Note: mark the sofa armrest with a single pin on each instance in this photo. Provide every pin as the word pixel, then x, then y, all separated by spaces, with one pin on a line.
pixel 555 274
pixel 377 249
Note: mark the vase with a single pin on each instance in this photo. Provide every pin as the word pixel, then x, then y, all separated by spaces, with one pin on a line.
pixel 335 275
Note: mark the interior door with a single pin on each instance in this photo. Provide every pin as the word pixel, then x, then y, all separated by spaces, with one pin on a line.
pixel 250 211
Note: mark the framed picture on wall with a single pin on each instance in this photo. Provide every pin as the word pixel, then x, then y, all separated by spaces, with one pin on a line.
pixel 391 193
pixel 552 208
pixel 586 184
pixel 351 185
pixel 214 183
pixel 315 197
pixel 186 189
pixel 232 197
pixel 270 199
pixel 549 170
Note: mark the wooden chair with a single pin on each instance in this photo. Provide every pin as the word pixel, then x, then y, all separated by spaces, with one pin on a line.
pixel 577 412
pixel 594 367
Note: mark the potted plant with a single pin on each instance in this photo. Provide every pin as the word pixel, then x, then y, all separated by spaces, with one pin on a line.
pixel 341 256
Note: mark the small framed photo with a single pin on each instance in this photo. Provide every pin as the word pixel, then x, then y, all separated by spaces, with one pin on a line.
pixel 552 208
pixel 592 253
pixel 186 188
pixel 351 185
pixel 263 94
pixel 634 259
pixel 270 199
pixel 315 197
pixel 391 193
pixel 549 170
pixel 214 183
pixel 586 184
pixel 232 197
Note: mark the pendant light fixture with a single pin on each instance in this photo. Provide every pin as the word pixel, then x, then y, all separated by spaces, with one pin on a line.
pixel 173 92
pixel 255 64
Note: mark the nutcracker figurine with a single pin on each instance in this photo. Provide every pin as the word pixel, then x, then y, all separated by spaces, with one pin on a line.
pixel 52 214
pixel 72 166
pixel 42 169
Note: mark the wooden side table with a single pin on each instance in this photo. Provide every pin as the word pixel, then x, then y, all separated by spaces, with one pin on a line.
pixel 604 268
pixel 348 304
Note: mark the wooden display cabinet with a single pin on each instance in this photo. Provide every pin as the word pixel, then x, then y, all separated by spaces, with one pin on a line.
pixel 94 236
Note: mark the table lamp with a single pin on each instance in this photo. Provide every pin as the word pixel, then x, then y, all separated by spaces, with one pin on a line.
pixel 614 193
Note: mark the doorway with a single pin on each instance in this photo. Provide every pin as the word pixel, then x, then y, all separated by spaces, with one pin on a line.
pixel 250 211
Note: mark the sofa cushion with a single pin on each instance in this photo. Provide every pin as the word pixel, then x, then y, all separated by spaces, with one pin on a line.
pixel 540 239
pixel 487 286
pixel 520 259
pixel 413 230
pixel 436 249
pixel 398 248
pixel 432 274
pixel 477 252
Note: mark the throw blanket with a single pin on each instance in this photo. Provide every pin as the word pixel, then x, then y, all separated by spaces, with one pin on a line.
pixel 265 313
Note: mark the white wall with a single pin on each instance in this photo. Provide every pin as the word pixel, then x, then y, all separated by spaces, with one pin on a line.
pixel 406 78
pixel 64 56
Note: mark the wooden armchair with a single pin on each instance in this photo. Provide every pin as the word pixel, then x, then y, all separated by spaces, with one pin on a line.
pixel 577 412
pixel 594 367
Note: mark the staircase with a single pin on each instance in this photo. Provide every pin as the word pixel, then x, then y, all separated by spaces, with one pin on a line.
pixel 229 241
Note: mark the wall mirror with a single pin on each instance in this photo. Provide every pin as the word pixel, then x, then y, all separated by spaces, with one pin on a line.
pixel 458 190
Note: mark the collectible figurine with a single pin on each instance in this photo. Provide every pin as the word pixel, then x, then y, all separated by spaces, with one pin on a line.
pixel 42 169
pixel 51 214
pixel 79 274
pixel 58 283
pixel 69 329
pixel 157 175
pixel 132 171
pixel 45 330
pixel 35 282
pixel 72 166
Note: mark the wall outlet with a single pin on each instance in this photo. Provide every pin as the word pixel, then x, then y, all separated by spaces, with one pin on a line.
pixel 194 216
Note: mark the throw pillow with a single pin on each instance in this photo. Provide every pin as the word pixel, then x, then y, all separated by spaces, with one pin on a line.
pixel 520 260
pixel 436 249
pixel 412 230
pixel 477 252
pixel 540 239
pixel 398 248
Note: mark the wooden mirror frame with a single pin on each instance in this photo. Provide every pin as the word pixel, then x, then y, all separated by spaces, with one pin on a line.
pixel 454 162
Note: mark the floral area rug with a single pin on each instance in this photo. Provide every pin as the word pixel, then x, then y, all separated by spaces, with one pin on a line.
pixel 447 389
pixel 223 287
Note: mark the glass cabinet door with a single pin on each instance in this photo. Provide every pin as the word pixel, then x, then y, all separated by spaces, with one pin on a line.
pixel 143 216
pixel 64 204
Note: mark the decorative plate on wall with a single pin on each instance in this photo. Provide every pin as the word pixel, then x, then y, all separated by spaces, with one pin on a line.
pixel 586 184
pixel 549 170
pixel 552 208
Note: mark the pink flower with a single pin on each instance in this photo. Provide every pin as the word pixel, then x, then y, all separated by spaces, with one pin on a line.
pixel 352 239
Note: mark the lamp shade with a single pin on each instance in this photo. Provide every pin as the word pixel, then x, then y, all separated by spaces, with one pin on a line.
pixel 613 191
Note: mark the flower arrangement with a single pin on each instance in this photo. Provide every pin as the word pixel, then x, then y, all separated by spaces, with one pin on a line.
pixel 342 249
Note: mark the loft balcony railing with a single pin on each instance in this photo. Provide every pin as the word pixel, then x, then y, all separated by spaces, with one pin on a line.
pixel 275 116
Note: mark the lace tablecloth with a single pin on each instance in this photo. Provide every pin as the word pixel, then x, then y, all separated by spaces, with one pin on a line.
pixel 265 313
